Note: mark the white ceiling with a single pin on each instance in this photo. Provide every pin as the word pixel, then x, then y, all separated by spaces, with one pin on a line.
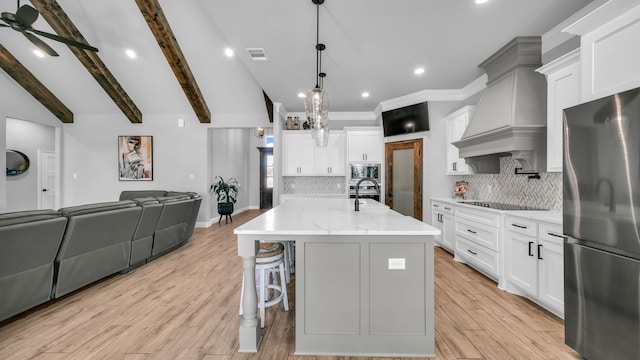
pixel 372 45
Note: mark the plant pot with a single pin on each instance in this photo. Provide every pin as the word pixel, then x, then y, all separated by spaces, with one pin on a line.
pixel 225 208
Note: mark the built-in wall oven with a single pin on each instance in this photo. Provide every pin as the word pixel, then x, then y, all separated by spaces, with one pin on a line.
pixel 359 171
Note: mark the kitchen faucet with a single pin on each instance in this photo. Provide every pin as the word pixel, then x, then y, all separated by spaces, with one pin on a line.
pixel 358 189
pixel 612 198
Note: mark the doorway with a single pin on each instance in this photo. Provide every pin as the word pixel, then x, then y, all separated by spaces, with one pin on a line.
pixel 266 177
pixel 404 177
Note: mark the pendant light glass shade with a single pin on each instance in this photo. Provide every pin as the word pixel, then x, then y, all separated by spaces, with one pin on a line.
pixel 316 106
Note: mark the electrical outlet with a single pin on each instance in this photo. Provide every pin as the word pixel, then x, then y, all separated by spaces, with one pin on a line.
pixel 397 264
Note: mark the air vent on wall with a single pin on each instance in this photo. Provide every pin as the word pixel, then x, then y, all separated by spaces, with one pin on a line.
pixel 257 54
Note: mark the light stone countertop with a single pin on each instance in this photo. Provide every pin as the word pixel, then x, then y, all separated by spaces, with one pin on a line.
pixel 550 216
pixel 327 216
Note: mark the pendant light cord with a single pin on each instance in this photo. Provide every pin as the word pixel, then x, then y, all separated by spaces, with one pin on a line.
pixel 318 45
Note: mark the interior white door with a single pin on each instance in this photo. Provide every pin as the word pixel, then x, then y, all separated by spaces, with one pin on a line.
pixel 47 184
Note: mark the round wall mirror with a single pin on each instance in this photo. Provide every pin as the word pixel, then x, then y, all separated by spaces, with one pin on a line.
pixel 17 162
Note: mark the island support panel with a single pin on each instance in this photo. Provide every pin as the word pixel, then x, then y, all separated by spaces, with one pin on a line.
pixel 365 296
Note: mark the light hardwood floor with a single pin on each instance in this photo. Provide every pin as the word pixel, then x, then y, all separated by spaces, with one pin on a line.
pixel 184 305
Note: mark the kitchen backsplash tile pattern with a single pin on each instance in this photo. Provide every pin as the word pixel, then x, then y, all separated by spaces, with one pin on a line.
pixel 506 187
pixel 314 184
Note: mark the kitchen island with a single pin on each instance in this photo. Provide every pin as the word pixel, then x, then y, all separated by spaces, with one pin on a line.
pixel 364 280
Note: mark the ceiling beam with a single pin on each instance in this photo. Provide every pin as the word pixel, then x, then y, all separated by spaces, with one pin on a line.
pixel 63 26
pixel 29 82
pixel 161 29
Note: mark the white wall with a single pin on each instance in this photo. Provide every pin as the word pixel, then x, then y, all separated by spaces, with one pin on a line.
pixel 26 137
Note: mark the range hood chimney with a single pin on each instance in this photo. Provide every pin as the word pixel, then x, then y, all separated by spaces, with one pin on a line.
pixel 510 119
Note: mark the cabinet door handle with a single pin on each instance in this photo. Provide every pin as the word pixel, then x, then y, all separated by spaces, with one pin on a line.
pixel 455 166
pixel 440 216
pixel 447 208
pixel 471 231
pixel 556 235
pixel 539 248
pixel 474 253
pixel 519 226
pixel 436 205
pixel 530 243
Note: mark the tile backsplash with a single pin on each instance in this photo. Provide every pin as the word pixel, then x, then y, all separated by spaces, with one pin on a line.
pixel 506 187
pixel 314 184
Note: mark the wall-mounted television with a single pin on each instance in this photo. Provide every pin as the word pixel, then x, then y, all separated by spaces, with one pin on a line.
pixel 405 120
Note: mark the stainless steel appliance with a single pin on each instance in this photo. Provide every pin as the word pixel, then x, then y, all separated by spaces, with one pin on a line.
pixel 499 206
pixel 601 220
pixel 358 171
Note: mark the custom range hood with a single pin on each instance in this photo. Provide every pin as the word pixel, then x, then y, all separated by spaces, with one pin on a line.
pixel 510 119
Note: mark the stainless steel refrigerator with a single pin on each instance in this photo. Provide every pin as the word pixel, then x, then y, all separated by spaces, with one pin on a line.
pixel 601 219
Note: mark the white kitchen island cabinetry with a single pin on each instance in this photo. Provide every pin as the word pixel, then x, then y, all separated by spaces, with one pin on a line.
pixel 297 153
pixel 456 125
pixel 442 217
pixel 364 145
pixel 534 261
pixel 350 269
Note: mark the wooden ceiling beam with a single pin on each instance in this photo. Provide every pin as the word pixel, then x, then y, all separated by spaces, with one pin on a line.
pixel 63 26
pixel 29 82
pixel 161 30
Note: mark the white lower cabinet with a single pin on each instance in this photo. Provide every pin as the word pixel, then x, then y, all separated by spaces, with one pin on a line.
pixel 534 261
pixel 442 217
pixel 478 235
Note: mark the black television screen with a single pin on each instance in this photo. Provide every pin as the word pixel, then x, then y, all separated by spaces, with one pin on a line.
pixel 405 120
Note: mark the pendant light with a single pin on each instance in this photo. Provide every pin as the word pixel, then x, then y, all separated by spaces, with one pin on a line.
pixel 316 101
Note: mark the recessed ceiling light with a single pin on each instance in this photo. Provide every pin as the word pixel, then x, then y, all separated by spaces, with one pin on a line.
pixel 131 54
pixel 229 52
pixel 38 53
pixel 480 1
pixel 301 95
pixel 365 94
pixel 419 71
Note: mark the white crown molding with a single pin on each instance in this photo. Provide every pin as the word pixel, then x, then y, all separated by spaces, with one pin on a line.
pixel 475 86
pixel 342 115
pixel 561 62
pixel 597 14
pixel 422 96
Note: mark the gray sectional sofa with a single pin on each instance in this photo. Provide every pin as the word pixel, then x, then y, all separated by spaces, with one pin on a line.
pixel 46 254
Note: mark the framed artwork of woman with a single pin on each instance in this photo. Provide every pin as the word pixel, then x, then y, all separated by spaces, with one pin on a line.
pixel 135 157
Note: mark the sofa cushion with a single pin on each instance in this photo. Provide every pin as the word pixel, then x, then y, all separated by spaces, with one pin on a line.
pixel 97 207
pixel 20 217
pixel 133 194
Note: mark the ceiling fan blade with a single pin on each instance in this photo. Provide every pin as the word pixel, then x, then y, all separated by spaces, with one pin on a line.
pixel 40 44
pixel 26 15
pixel 64 40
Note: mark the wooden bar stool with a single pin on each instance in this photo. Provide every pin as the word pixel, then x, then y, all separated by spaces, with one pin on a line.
pixel 269 264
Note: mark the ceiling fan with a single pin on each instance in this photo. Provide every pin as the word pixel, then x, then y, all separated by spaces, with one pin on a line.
pixel 23 20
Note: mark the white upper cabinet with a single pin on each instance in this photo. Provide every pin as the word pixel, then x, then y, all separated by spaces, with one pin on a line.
pixel 609 60
pixel 364 146
pixel 456 123
pixel 563 91
pixel 297 155
pixel 331 160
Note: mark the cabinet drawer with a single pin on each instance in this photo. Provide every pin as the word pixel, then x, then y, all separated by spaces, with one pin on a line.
pixel 480 234
pixel 478 255
pixel 521 226
pixel 551 233
pixel 485 217
pixel 445 207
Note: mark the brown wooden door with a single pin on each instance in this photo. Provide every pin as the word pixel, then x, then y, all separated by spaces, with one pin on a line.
pixel 404 177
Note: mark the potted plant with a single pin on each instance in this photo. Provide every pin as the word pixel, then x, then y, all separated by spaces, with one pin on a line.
pixel 227 193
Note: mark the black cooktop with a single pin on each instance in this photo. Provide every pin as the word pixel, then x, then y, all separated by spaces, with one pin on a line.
pixel 499 206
